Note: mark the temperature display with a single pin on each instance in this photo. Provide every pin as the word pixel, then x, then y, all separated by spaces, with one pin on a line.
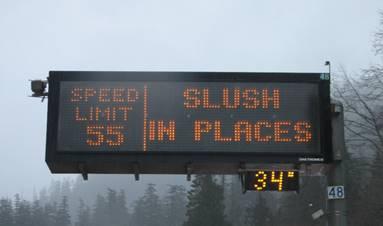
pixel 272 180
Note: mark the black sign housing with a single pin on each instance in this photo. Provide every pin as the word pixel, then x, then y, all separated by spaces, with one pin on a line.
pixel 163 122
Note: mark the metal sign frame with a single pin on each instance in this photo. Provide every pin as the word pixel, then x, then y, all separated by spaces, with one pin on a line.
pixel 176 162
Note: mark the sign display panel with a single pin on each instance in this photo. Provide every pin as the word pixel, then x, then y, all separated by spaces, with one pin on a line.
pixel 272 180
pixel 216 117
pixel 188 116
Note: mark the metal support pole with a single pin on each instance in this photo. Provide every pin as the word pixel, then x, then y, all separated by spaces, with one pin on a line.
pixel 336 175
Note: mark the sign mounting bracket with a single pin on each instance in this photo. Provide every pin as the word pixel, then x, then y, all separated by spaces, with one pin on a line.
pixel 136 169
pixel 188 171
pixel 82 169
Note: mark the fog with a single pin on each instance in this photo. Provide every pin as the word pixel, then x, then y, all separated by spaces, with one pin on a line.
pixel 219 35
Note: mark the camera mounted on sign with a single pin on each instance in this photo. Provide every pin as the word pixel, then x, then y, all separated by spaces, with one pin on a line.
pixel 38 88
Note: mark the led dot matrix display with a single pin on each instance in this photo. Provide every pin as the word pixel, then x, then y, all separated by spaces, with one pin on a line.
pixel 272 180
pixel 189 116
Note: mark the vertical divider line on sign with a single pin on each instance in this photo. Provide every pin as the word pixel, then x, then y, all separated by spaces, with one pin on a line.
pixel 145 117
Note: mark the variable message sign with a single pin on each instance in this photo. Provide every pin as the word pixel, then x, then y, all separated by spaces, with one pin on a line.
pixel 112 122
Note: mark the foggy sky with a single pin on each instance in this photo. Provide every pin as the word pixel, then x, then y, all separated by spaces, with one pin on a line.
pixel 198 35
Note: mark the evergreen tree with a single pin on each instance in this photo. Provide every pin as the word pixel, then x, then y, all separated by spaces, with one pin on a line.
pixel 62 216
pixel 50 212
pixel 99 215
pixel 55 192
pixel 258 213
pixel 6 212
pixel 113 211
pixel 22 214
pixel 65 188
pixel 175 205
pixel 17 210
pixel 122 210
pixel 38 217
pixel 83 217
pixel 235 201
pixel 43 196
pixel 138 215
pixel 148 209
pixel 206 203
